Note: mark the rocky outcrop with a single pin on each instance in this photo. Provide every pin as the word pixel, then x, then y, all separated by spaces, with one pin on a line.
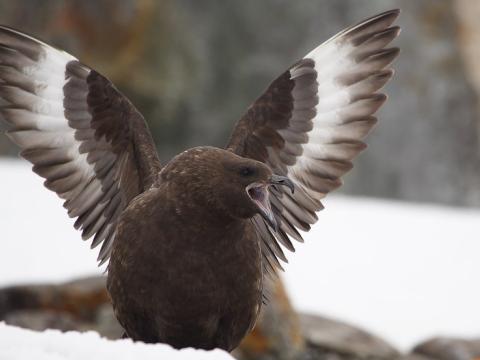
pixel 78 305
pixel 279 334
pixel 335 338
pixel 449 349
pixel 81 298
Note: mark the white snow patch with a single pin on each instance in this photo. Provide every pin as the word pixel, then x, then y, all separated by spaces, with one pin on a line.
pixel 405 271
pixel 22 344
pixel 38 241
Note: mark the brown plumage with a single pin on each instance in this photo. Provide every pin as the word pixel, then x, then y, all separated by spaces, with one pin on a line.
pixel 190 244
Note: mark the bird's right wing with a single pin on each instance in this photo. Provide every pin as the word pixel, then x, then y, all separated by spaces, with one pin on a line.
pixel 80 133
pixel 310 123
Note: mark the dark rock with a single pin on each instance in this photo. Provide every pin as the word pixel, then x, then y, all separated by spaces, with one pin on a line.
pixel 105 323
pixel 40 320
pixel 340 340
pixel 77 305
pixel 414 357
pixel 449 349
pixel 80 298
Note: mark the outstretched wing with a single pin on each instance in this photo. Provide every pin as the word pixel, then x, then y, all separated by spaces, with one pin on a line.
pixel 310 122
pixel 80 133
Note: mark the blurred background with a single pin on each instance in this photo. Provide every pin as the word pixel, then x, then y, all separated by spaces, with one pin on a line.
pixel 192 68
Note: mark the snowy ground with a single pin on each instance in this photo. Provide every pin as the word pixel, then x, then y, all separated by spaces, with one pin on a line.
pixel 403 271
pixel 21 344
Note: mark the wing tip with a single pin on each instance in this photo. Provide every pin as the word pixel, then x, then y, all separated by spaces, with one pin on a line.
pixel 392 13
pixel 387 18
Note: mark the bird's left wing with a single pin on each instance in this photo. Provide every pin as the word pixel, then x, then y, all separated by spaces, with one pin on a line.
pixel 310 122
pixel 82 135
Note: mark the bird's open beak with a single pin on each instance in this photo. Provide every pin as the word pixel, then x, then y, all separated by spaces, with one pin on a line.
pixel 258 192
pixel 282 180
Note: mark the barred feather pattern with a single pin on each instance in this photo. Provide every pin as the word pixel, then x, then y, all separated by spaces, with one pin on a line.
pixel 77 130
pixel 310 124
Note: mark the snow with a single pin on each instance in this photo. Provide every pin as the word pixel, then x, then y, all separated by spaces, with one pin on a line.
pixel 39 242
pixel 22 344
pixel 403 271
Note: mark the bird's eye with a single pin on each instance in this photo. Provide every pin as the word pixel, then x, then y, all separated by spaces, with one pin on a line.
pixel 247 171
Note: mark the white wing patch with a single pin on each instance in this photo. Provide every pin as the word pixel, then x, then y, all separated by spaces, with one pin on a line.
pixel 347 78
